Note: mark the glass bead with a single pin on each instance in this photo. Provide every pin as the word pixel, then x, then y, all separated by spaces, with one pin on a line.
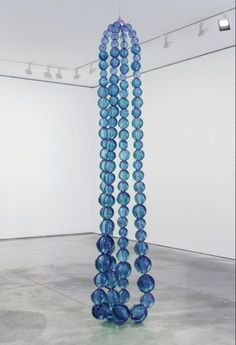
pixel 112 122
pixel 139 187
pixel 124 93
pixel 123 134
pixel 114 36
pixel 123 186
pixel 107 213
pixel 124 175
pixel 136 74
pixel 103 263
pixel 105 244
pixel 124 112
pixel 137 123
pixel 137 165
pixel 107 188
pixel 109 155
pixel 141 235
pixel 112 133
pixel 113 100
pixel 103 65
pixel 104 40
pixel 140 223
pixel 106 200
pixel 114 79
pixel 138 144
pixel 132 33
pixel 103 133
pixel 123 232
pixel 142 264
pixel 138 154
pixel 103 103
pixel 100 279
pixel 124 53
pixel 123 123
pixel 108 166
pixel 113 262
pixel 138 313
pixel 113 70
pixel 123 242
pixel 135 66
pixel 103 81
pixel 137 102
pixel 123 103
pixel 124 296
pixel 112 280
pixel 140 198
pixel 123 198
pixel 122 222
pixel 135 49
pixel 109 178
pixel 123 270
pixel 136 112
pixel 102 47
pixel 138 175
pixel 124 84
pixel 123 283
pixel 137 57
pixel 114 52
pixel 123 211
pixel 113 111
pixel 134 40
pixel 114 44
pixel 124 155
pixel 110 145
pixel 123 255
pixel 104 113
pixel 100 311
pixel 120 314
pixel 103 73
pixel 124 61
pixel 115 62
pixel 136 82
pixel 141 248
pixel 137 92
pixel 98 296
pixel 124 165
pixel 139 211
pixel 103 122
pixel 145 283
pixel 113 297
pixel 137 134
pixel 107 227
pixel 147 300
pixel 102 91
pixel 124 69
pixel 107 33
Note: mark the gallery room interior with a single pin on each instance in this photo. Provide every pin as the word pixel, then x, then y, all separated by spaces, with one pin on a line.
pixel 117 172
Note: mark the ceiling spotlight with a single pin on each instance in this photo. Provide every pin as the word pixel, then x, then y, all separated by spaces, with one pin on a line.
pixel 28 70
pixel 92 69
pixel 77 75
pixel 202 30
pixel 48 73
pixel 224 23
pixel 167 43
pixel 58 74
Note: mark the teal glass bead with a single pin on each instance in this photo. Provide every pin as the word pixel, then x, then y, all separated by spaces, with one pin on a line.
pixel 113 111
pixel 112 122
pixel 124 296
pixel 123 242
pixel 103 73
pixel 122 222
pixel 123 198
pixel 100 279
pixel 140 223
pixel 109 178
pixel 137 123
pixel 123 283
pixel 107 213
pixel 136 82
pixel 103 133
pixel 124 112
pixel 146 283
pixel 100 311
pixel 103 55
pixel 141 235
pixel 103 263
pixel 109 145
pixel 147 300
pixel 142 264
pixel 114 52
pixel 123 144
pixel 104 113
pixel 123 232
pixel 124 93
pixel 123 270
pixel 135 66
pixel 124 175
pixel 136 112
pixel 122 255
pixel 139 211
pixel 138 154
pixel 141 248
pixel 112 297
pixel 140 198
pixel 103 81
pixel 123 103
pixel 103 122
pixel 102 91
pixel 103 65
pixel 115 62
pixel 112 133
pixel 107 166
pixel 124 155
pixel 138 145
pixel 108 155
pixel 137 165
pixel 138 175
pixel 124 52
pixel 124 69
pixel 139 187
pixel 98 296
pixel 106 200
pixel 124 165
pixel 107 227
pixel 107 188
pixel 112 280
pixel 103 103
pixel 113 90
pixel 135 49
pixel 138 313
pixel 114 79
pixel 137 134
pixel 124 84
pixel 123 211
pixel 123 186
pixel 137 92
pixel 105 244
pixel 120 314
pixel 123 123
pixel 137 102
pixel 113 100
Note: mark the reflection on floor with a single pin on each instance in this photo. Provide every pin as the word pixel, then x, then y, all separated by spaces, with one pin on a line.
pixel 45 287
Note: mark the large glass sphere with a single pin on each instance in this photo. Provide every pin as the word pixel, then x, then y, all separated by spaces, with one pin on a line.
pixel 123 198
pixel 112 297
pixel 98 296
pixel 123 255
pixel 141 248
pixel 120 314
pixel 138 313
pixel 142 264
pixel 124 296
pixel 100 311
pixel 123 269
pixel 123 242
pixel 100 279
pixel 139 211
pixel 105 244
pixel 107 226
pixel 146 283
pixel 103 263
pixel 147 300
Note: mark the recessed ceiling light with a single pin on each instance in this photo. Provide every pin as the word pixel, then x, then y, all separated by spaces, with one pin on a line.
pixel 224 24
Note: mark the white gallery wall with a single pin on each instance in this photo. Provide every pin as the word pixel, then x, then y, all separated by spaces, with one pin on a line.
pixel 45 159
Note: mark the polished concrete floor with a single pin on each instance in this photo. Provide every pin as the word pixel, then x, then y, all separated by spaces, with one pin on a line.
pixel 45 287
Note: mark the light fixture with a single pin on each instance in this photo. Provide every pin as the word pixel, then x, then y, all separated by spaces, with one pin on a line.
pixel 28 70
pixel 167 43
pixel 92 69
pixel 58 74
pixel 202 30
pixel 77 75
pixel 48 73
pixel 224 23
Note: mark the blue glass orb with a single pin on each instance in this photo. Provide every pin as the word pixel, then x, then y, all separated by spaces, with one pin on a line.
pixel 123 144
pixel 139 211
pixel 103 122
pixel 124 112
pixel 124 165
pixel 113 262
pixel 100 311
pixel 136 82
pixel 103 263
pixel 114 79
pixel 98 296
pixel 122 255
pixel 107 227
pixel 103 103
pixel 103 73
pixel 137 57
pixel 113 90
pixel 140 198
pixel 137 92
pixel 103 65
pixel 109 145
pixel 103 133
pixel 104 113
pixel 138 313
pixel 106 200
pixel 142 264
pixel 136 112
pixel 123 283
pixel 100 279
pixel 113 70
pixel 113 297
pixel 102 91
pixel 104 40
pixel 141 235
pixel 147 300
pixel 137 165
pixel 124 155
pixel 107 213
pixel 123 242
pixel 113 111
pixel 124 84
pixel 141 248
pixel 123 270
pixel 122 222
pixel 123 199
pixel 109 178
pixel 114 52
pixel 123 186
pixel 108 155
pixel 136 74
pixel 123 211
pixel 112 280
pixel 123 123
pixel 124 44
pixel 138 154
pixel 138 175
pixel 124 93
pixel 137 134
pixel 112 122
pixel 124 69
pixel 102 47
pixel 124 296
pixel 123 232
pixel 107 166
pixel 115 62
pixel 105 244
pixel 112 133
pixel 138 145
pixel 140 223
pixel 145 283
pixel 120 314
pixel 115 36
pixel 106 188
pixel 123 103
pixel 139 187
pixel 135 49
pixel 137 102
pixel 113 100
pixel 124 53
pixel 114 44
pixel 135 66
pixel 103 81
pixel 124 175
pixel 137 123
pixel 132 33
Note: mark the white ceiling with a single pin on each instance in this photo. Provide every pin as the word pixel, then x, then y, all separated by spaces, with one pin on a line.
pixel 67 32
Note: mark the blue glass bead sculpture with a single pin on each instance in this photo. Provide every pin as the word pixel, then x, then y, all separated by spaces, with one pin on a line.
pixel 111 295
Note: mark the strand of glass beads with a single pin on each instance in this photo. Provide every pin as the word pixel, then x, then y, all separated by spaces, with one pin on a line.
pixel 113 104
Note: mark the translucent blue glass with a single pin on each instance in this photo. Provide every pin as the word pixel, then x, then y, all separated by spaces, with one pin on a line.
pixel 112 122
pixel 141 248
pixel 123 134
pixel 124 52
pixel 136 112
pixel 105 244
pixel 138 145
pixel 112 133
pixel 103 81
pixel 112 297
pixel 124 296
pixel 103 65
pixel 139 187
pixel 146 283
pixel 142 264
pixel 124 93
pixel 124 165
pixel 114 52
pixel 123 255
pixel 100 311
pixel 98 296
pixel 141 235
pixel 103 122
pixel 123 103
pixel 113 100
pixel 103 73
pixel 135 66
pixel 102 91
pixel 123 270
pixel 137 92
pixel 105 154
pixel 138 313
pixel 138 175
pixel 123 144
pixel 107 213
pixel 123 186
pixel 123 211
pixel 103 263
pixel 124 175
pixel 122 222
pixel 107 227
pixel 123 283
pixel 103 103
pixel 124 155
pixel 138 154
pixel 124 112
pixel 123 242
pixel 114 79
pixel 137 134
pixel 113 111
pixel 139 211
pixel 107 188
pixel 109 178
pixel 137 165
pixel 106 200
pixel 112 280
pixel 123 198
pixel 135 49
pixel 123 232
pixel 124 85
pixel 109 145
pixel 136 82
pixel 140 198
pixel 100 279
pixel 147 300
pixel 120 314
pixel 140 223
pixel 104 113
pixel 124 69
pixel 137 123
pixel 115 62
pixel 123 123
